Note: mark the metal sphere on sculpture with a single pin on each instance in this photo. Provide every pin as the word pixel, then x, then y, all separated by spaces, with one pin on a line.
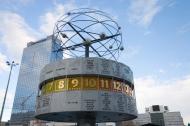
pixel 88 33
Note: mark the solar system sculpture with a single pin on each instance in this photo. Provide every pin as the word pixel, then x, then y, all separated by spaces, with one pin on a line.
pixel 89 85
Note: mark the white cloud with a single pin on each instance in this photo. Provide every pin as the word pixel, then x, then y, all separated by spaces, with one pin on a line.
pixel 142 12
pixel 15 33
pixel 23 2
pixel 162 71
pixel 15 5
pixel 185 28
pixel 173 93
pixel 147 33
pixel 176 64
pixel 3 66
pixel 171 3
pixel 49 19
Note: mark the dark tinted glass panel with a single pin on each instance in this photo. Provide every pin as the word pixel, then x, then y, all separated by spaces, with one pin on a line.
pixel 166 107
pixel 156 108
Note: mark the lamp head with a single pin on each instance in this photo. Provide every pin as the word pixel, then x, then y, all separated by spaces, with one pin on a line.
pixel 8 63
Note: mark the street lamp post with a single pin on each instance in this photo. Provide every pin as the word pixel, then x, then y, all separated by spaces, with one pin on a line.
pixel 12 64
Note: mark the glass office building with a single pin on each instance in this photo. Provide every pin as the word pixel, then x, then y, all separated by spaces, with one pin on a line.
pixel 35 56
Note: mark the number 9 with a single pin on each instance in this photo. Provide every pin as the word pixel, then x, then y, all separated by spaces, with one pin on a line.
pixel 75 82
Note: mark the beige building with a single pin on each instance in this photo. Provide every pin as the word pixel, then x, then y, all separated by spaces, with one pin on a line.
pixel 158 115
pixel 2 123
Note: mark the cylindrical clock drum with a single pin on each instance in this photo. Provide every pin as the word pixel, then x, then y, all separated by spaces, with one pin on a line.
pixel 96 89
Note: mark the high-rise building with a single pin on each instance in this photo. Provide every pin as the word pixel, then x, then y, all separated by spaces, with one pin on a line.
pixel 35 56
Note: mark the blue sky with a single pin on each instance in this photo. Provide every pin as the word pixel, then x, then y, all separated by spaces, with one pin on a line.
pixel 155 35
